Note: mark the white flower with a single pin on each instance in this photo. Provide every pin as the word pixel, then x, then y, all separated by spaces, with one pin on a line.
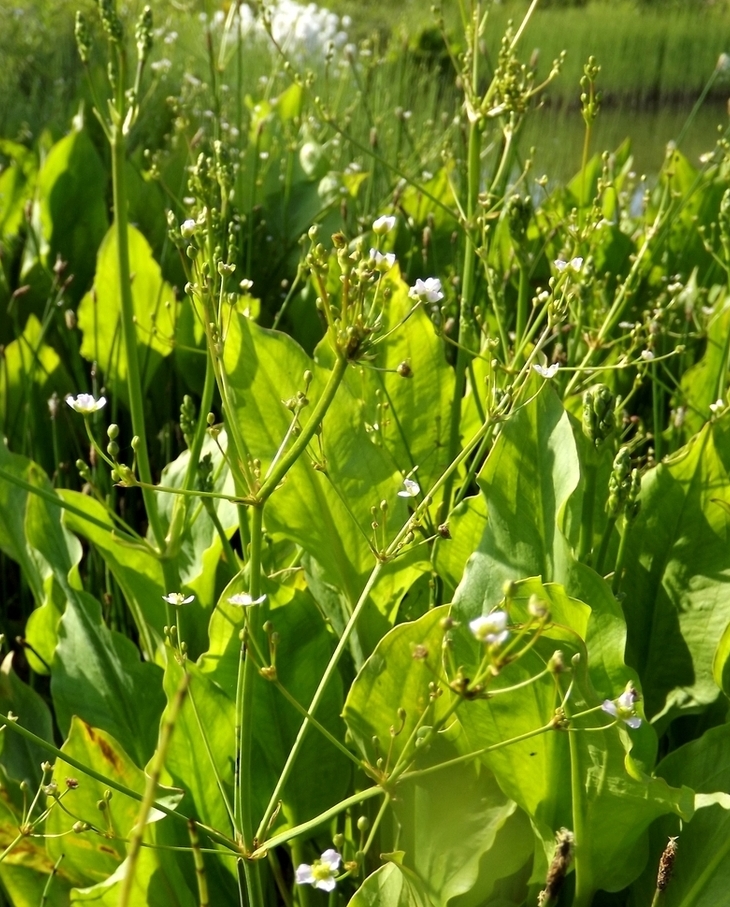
pixel 86 404
pixel 322 873
pixel 410 489
pixel 548 372
pixel 187 228
pixel 575 264
pixel 244 599
pixel 384 261
pixel 490 628
pixel 718 405
pixel 624 707
pixel 177 598
pixel 384 224
pixel 646 355
pixel 428 290
pixel 161 66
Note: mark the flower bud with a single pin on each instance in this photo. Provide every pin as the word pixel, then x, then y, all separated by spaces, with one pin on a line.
pixel 598 414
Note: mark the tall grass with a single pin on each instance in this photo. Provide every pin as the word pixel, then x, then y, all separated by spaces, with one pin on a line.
pixel 647 54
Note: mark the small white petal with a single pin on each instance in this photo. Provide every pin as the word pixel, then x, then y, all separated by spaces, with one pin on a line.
pixel 303 875
pixel 547 372
pixel 325 884
pixel 633 722
pixel 244 599
pixel 428 290
pixel 383 224
pixel 178 598
pixel 85 403
pixel 490 628
pixel 576 263
pixel 560 264
pixel 646 355
pixel 410 489
pixel 331 858
pixel 187 228
pixel 610 706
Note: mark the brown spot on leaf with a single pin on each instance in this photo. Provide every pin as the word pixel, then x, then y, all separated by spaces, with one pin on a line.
pixel 106 750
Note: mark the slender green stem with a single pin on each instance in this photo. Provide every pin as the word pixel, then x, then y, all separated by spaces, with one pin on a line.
pixel 583 891
pixel 522 295
pixel 465 337
pixel 209 752
pixel 622 298
pixel 317 725
pixel 316 700
pixel 12 725
pixel 129 334
pixel 585 542
pixel 605 542
pixel 53 497
pixel 698 104
pixel 321 819
pixel 657 400
pixel 228 552
pixel 136 836
pixel 200 875
pixel 303 893
pixel 460 760
pixel 286 462
pixel 179 513
pixel 620 557
pixel 51 877
pixel 252 868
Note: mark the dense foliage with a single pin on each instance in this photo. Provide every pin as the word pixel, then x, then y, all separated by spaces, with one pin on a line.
pixel 394 561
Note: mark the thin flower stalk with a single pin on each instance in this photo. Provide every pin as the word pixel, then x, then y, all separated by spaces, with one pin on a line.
pixel 148 800
pixel 129 335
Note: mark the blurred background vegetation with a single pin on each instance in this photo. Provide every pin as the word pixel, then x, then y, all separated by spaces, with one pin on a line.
pixel 655 57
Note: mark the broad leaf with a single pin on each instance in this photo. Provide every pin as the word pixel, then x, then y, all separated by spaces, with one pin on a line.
pixel 154 311
pixel 701 870
pixel 137 571
pixel 677 601
pixel 391 886
pixel 267 368
pixel 21 759
pixel 528 477
pixel 91 857
pixel 72 179
pixel 585 780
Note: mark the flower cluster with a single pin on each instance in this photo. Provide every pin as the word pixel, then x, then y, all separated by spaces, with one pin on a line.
pixel 303 32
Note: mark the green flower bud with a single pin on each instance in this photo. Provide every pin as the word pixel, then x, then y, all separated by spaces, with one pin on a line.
pixel 619 483
pixel 83 37
pixel 110 21
pixel 143 34
pixel 598 413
